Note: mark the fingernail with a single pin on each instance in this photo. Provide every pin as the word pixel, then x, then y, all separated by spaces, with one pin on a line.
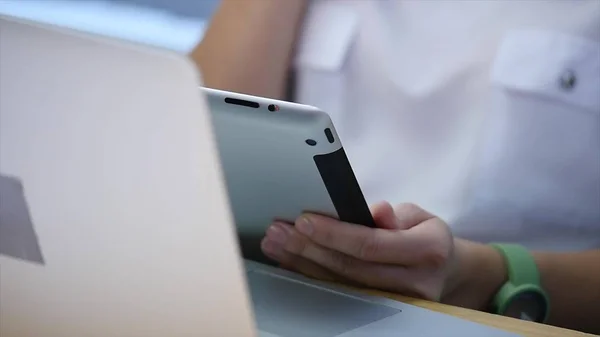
pixel 277 234
pixel 270 248
pixel 304 226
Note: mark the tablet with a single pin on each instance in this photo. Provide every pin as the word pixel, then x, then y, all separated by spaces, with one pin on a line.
pixel 281 159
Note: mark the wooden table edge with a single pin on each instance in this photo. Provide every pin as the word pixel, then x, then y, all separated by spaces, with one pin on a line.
pixel 523 328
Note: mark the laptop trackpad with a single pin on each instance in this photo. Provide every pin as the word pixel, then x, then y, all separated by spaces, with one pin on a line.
pixel 290 309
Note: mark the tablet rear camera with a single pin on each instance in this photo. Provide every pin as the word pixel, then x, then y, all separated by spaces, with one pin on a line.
pixel 329 135
pixel 311 142
pixel 273 107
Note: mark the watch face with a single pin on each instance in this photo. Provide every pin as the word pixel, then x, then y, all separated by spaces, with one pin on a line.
pixel 527 305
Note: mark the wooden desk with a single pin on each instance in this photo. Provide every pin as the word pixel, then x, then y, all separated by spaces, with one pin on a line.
pixel 523 328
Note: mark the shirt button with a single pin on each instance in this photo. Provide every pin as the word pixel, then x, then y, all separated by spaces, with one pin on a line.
pixel 568 80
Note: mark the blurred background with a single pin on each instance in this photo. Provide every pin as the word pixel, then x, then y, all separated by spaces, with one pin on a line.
pixel 173 24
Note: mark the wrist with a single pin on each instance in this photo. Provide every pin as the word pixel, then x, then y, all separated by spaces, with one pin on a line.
pixel 478 273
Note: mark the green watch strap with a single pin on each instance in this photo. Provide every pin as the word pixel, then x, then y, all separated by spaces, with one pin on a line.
pixel 523 280
pixel 520 264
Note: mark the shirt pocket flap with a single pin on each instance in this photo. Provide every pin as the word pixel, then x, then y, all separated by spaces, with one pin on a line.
pixel 554 65
pixel 328 31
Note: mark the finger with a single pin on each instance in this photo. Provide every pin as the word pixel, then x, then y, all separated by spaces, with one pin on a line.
pixel 340 264
pixel 309 258
pixel 402 247
pixel 409 215
pixel 291 248
pixel 403 216
pixel 382 276
pixel 272 246
pixel 384 217
pixel 294 262
pixel 280 234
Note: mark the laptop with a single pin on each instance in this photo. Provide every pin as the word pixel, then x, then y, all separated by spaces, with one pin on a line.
pixel 114 218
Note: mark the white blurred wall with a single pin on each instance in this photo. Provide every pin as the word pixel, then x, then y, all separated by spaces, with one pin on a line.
pixel 129 20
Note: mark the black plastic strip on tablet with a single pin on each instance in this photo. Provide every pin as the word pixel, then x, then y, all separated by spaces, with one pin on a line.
pixel 341 183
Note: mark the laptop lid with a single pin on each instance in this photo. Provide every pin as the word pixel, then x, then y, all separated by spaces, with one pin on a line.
pixel 113 212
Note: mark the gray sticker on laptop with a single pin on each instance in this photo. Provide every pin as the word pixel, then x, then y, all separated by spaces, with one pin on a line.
pixel 17 234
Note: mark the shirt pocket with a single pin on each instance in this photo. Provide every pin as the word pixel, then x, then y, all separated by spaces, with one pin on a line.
pixel 556 66
pixel 325 41
pixel 540 154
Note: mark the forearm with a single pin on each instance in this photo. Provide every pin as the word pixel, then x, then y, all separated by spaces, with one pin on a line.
pixel 248 46
pixel 572 281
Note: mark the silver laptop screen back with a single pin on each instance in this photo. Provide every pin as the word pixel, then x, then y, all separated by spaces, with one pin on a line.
pixel 106 152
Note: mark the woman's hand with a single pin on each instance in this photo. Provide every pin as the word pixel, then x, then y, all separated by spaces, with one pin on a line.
pixel 411 252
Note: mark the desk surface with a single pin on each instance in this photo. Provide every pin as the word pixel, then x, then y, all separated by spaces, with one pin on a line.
pixel 523 328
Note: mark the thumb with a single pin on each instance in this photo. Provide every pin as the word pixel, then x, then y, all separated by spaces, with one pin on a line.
pixel 403 216
pixel 384 216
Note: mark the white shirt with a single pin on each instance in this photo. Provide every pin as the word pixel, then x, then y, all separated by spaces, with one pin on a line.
pixel 486 113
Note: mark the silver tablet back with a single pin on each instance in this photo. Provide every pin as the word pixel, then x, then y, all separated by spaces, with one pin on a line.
pixel 281 159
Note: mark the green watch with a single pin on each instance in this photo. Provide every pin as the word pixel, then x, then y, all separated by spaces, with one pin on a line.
pixel 522 295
